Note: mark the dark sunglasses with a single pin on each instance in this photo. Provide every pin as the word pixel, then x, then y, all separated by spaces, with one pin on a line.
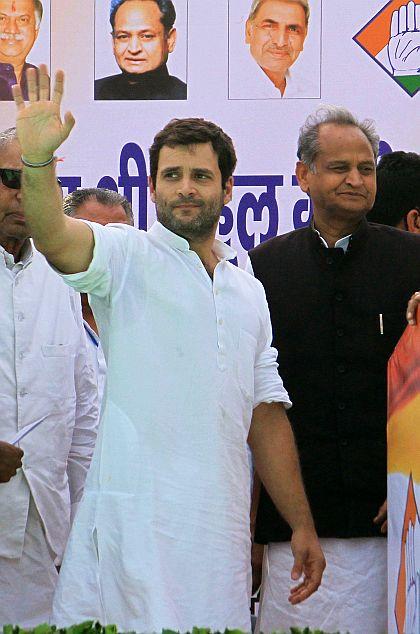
pixel 11 178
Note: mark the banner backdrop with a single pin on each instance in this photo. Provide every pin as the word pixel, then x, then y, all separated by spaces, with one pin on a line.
pixel 345 60
pixel 404 485
pixel 363 54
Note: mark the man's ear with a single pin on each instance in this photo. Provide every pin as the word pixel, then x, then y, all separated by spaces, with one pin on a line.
pixel 413 221
pixel 171 40
pixel 228 190
pixel 152 190
pixel 302 171
pixel 248 28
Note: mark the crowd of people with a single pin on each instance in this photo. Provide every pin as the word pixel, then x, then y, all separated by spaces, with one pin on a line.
pixel 145 519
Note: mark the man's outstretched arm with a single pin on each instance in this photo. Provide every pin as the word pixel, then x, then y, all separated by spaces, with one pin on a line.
pixel 276 461
pixel 67 243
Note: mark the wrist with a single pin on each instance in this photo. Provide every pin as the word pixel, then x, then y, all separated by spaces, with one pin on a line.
pixel 37 161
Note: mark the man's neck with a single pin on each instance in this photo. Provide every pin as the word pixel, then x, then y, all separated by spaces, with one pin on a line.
pixel 204 250
pixel 14 247
pixel 278 79
pixel 333 230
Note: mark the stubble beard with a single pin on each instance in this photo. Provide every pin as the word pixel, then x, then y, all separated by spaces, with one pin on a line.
pixel 198 228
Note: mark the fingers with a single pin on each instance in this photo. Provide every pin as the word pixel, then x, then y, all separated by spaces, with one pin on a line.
pixel 44 83
pixel 402 26
pixel 68 124
pixel 58 89
pixel 412 309
pixel 32 82
pixel 394 24
pixel 411 16
pixel 17 96
pixel 305 589
pixel 297 569
pixel 384 527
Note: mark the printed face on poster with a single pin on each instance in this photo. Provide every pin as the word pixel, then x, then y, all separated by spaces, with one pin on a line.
pixel 275 49
pixel 141 50
pixel 24 41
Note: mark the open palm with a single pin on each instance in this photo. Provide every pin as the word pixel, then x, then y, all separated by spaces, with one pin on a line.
pixel 39 126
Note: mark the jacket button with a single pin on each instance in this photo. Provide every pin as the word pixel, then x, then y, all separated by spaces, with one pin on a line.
pixel 340 332
pixel 341 368
pixel 344 442
pixel 341 407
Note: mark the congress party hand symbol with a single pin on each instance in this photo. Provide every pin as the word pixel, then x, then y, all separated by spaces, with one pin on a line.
pixel 404 44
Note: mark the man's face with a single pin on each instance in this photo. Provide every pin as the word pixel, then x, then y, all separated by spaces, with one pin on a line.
pixel 189 194
pixel 18 30
pixel 95 211
pixel 276 34
pixel 140 41
pixel 344 183
pixel 12 220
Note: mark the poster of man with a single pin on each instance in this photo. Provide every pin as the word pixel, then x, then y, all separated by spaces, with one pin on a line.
pixel 21 22
pixel 144 38
pixel 274 49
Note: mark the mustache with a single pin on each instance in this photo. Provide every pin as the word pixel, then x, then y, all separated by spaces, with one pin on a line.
pixel 11 36
pixel 199 202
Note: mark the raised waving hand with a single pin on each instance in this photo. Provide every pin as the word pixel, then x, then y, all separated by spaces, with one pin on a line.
pixel 39 126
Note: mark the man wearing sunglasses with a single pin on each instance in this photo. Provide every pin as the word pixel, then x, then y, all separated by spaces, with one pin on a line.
pixel 44 378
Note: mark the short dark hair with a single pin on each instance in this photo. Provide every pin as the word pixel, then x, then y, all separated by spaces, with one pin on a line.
pixel 191 132
pixel 398 187
pixel 108 197
pixel 166 8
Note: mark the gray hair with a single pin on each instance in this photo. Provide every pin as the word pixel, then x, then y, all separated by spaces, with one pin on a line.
pixel 303 3
pixel 39 10
pixel 308 143
pixel 7 137
pixel 108 197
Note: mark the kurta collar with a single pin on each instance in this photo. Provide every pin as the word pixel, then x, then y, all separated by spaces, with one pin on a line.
pixel 346 243
pixel 220 249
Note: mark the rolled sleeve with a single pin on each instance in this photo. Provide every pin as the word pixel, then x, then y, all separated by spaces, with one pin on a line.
pixel 109 261
pixel 268 384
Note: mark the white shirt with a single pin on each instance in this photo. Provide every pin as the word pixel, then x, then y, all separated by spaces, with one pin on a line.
pixel 43 374
pixel 161 539
pixel 247 80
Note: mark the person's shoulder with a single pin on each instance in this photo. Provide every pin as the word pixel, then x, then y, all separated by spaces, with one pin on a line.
pixel 105 86
pixel 277 243
pixel 393 235
pixel 177 88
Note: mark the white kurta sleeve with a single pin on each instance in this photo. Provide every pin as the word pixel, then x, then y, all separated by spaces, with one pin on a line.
pixel 109 262
pixel 268 385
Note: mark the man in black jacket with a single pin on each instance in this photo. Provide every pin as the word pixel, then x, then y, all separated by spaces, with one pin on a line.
pixel 337 293
pixel 143 35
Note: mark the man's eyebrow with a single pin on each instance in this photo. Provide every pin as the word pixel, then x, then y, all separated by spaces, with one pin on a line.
pixel 203 170
pixel 123 31
pixel 268 21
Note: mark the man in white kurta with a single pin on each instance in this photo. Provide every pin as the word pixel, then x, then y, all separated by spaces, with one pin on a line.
pixel 162 539
pixel 163 528
pixel 44 376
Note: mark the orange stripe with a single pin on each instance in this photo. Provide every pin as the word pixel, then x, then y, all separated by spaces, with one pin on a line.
pixel 376 35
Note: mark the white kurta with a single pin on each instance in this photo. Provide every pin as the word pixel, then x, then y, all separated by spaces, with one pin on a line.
pixel 44 374
pixel 162 539
pixel 247 80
